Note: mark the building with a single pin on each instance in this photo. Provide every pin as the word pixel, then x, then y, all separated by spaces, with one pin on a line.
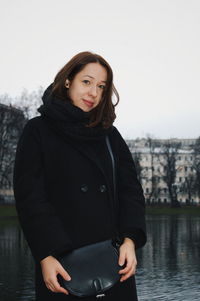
pixel 167 169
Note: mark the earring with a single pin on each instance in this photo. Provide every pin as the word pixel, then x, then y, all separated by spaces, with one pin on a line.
pixel 67 83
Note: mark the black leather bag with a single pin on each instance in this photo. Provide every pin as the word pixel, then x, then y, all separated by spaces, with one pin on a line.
pixel 93 269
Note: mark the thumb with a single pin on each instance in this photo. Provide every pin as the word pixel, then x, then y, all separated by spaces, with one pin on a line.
pixel 64 273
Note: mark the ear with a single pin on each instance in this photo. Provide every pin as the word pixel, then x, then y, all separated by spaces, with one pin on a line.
pixel 67 83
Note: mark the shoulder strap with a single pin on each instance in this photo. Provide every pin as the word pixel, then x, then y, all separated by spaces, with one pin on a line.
pixel 113 165
pixel 116 237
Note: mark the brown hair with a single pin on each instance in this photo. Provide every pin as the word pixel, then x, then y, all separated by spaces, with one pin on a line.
pixel 104 113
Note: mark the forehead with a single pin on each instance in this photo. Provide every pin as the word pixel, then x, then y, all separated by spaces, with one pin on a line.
pixel 94 70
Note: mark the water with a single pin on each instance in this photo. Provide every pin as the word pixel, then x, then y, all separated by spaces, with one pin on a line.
pixel 168 266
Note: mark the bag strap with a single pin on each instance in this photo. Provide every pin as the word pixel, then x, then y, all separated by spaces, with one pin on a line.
pixel 113 165
pixel 117 239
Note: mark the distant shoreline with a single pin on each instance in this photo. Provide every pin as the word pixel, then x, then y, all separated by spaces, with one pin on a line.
pixel 8 212
pixel 185 210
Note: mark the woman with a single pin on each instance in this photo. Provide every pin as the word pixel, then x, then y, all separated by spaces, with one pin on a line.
pixel 63 181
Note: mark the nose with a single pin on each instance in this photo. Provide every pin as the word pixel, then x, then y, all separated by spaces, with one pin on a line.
pixel 93 91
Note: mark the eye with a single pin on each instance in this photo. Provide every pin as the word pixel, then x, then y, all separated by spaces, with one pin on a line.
pixel 86 81
pixel 102 87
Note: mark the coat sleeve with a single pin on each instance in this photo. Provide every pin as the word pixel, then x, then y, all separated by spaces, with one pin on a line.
pixel 131 198
pixel 42 228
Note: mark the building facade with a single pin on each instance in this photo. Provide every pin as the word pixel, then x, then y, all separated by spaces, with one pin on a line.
pixel 167 169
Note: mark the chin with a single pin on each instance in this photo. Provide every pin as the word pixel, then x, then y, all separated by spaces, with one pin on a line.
pixel 87 109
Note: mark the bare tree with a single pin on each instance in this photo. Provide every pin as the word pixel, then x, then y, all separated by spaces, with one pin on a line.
pixel 170 152
pixel 11 124
pixel 189 187
pixel 137 160
pixel 154 176
pixel 29 102
pixel 14 112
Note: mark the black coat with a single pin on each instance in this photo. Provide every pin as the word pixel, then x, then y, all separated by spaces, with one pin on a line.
pixel 65 197
pixel 64 190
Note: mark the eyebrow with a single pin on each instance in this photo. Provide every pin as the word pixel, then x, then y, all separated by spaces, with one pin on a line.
pixel 104 81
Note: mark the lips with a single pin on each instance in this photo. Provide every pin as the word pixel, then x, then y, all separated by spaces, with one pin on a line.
pixel 88 103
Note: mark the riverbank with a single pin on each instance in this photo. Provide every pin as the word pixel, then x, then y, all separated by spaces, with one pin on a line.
pixel 186 210
pixel 8 215
pixel 9 211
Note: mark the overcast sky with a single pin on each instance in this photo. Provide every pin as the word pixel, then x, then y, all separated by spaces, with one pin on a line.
pixel 153 47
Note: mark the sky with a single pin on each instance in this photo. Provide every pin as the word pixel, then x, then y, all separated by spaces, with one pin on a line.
pixel 153 47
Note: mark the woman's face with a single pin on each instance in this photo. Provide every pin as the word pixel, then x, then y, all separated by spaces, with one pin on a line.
pixel 86 89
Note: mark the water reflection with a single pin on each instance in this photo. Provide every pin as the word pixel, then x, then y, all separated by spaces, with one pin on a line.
pixel 168 266
pixel 16 273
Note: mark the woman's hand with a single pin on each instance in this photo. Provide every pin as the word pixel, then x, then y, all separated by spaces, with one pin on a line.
pixel 127 255
pixel 51 267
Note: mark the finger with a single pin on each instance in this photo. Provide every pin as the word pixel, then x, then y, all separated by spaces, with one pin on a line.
pixel 60 289
pixel 130 264
pixel 124 278
pixel 50 287
pixel 57 287
pixel 64 273
pixel 130 269
pixel 126 269
pixel 129 274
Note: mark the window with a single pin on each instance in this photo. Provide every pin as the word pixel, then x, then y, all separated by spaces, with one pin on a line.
pixel 147 190
pixel 165 190
pixel 180 179
pixel 186 168
pixel 165 200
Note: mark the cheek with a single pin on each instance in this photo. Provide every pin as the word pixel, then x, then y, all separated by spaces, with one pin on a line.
pixel 98 101
pixel 100 97
pixel 74 94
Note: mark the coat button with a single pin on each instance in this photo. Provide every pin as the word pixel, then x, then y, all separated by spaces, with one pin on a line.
pixel 102 188
pixel 84 188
